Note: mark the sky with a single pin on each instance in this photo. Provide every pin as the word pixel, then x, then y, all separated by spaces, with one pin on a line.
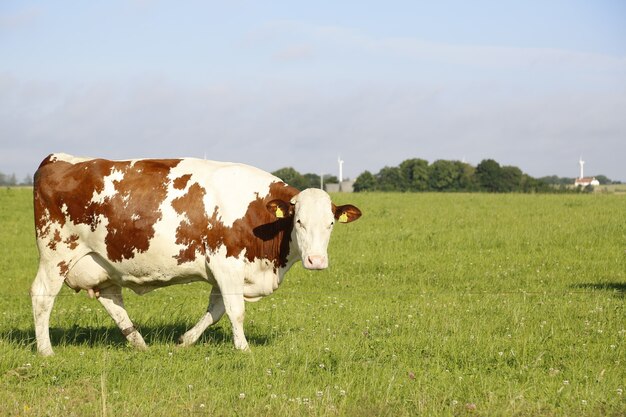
pixel 534 84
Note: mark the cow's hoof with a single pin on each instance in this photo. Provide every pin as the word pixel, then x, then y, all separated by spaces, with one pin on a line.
pixel 46 352
pixel 136 341
pixel 186 340
pixel 244 348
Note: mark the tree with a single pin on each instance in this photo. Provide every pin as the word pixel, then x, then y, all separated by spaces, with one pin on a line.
pixel 312 180
pixel 390 179
pixel 292 177
pixel 603 179
pixel 534 185
pixel 415 174
pixel 331 179
pixel 444 176
pixel 489 176
pixel 556 180
pixel 365 182
pixel 467 177
pixel 511 179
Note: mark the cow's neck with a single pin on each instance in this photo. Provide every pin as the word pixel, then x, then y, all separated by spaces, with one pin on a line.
pixel 292 257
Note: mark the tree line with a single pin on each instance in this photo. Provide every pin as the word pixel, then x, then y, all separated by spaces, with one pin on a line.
pixel 556 180
pixel 442 175
pixel 12 181
pixel 414 175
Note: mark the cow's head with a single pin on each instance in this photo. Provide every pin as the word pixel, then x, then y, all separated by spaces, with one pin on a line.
pixel 313 216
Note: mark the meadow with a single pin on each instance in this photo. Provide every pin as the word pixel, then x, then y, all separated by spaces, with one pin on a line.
pixel 434 304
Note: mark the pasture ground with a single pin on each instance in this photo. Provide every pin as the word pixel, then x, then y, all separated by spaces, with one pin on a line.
pixel 434 304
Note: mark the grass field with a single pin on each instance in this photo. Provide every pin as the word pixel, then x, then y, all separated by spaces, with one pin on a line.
pixel 434 304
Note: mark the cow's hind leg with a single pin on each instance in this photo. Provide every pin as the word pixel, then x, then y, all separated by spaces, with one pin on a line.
pixel 213 314
pixel 44 290
pixel 112 301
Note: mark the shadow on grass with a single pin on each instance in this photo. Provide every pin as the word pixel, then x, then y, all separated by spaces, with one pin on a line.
pixel 112 337
pixel 617 288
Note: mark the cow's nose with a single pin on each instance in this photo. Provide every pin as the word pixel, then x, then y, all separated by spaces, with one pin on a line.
pixel 316 262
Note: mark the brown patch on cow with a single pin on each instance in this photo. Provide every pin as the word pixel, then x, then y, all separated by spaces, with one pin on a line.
pixel 215 237
pixel 72 241
pixel 65 190
pixel 181 182
pixel 55 239
pixel 260 233
pixel 138 199
pixel 63 268
pixel 192 230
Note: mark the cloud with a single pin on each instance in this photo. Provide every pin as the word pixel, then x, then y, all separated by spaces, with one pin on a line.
pixel 277 125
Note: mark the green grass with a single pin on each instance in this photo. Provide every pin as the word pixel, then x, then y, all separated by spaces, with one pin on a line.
pixel 434 304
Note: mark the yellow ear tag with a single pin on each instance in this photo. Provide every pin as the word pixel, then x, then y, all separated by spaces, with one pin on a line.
pixel 279 213
pixel 343 218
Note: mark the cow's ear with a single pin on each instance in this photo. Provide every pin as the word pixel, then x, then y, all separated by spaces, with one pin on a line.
pixel 346 213
pixel 279 208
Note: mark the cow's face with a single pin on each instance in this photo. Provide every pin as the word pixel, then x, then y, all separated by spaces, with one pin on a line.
pixel 314 216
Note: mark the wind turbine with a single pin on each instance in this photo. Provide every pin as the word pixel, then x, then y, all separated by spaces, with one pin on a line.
pixel 581 162
pixel 340 161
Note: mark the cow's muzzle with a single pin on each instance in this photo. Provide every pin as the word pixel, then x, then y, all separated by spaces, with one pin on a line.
pixel 315 261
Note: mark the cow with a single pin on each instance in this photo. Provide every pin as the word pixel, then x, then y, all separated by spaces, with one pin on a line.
pixel 143 224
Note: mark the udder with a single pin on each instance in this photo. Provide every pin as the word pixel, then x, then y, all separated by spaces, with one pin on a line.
pixel 88 274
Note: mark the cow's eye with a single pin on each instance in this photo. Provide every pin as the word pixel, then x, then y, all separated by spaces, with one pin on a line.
pixel 300 223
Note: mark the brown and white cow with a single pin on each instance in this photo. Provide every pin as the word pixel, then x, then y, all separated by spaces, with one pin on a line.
pixel 148 223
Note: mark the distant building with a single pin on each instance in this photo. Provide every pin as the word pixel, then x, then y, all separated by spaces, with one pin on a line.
pixel 342 187
pixel 347 186
pixel 331 188
pixel 583 181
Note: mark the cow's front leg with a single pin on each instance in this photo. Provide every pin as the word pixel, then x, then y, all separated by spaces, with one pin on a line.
pixel 229 275
pixel 214 312
pixel 235 309
pixel 112 301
